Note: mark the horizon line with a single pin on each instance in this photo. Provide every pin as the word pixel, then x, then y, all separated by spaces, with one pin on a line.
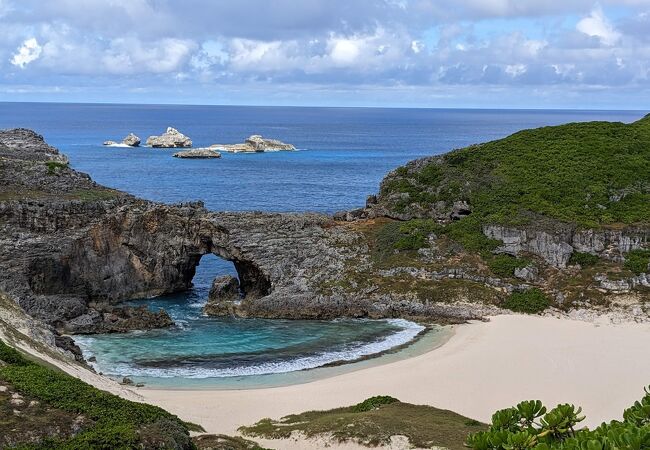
pixel 475 108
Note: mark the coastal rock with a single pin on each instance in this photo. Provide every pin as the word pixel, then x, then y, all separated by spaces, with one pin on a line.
pixel 253 144
pixel 198 153
pixel 131 140
pixel 224 294
pixel 172 138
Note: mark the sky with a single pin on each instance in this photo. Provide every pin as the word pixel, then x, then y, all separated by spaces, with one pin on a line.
pixel 396 53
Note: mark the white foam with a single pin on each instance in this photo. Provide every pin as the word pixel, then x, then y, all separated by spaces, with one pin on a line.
pixel 408 332
pixel 117 145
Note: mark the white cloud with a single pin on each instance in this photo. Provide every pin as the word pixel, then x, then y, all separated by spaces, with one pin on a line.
pixel 597 25
pixel 515 70
pixel 28 52
pixel 344 52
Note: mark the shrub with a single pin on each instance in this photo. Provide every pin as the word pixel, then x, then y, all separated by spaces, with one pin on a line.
pixel 505 265
pixel 532 301
pixel 583 259
pixel 373 403
pixel 54 166
pixel 637 261
pixel 529 426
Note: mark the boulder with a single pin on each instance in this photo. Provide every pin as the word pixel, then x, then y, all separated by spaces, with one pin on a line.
pixel 255 144
pixel 222 297
pixel 131 140
pixel 198 153
pixel 172 138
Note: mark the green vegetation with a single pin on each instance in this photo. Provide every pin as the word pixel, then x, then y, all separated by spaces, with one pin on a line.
pixel 505 265
pixel 114 423
pixel 54 166
pixel 532 301
pixel 591 174
pixel 637 261
pixel 530 426
pixel 372 422
pixel 223 442
pixel 583 259
pixel 373 403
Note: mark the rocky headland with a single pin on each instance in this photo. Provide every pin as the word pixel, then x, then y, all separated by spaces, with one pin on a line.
pixel 254 144
pixel 72 251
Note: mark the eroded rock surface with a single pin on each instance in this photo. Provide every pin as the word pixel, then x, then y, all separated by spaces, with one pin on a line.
pixel 255 143
pixel 198 153
pixel 224 295
pixel 172 138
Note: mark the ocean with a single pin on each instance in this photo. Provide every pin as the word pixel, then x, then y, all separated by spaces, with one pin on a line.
pixel 343 153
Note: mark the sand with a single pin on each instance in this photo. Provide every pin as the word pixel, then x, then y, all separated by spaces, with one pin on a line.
pixel 484 366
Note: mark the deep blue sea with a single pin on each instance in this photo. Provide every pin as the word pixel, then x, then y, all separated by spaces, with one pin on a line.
pixel 343 155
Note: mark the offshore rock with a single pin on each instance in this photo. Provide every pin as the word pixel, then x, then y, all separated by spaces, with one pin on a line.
pixel 255 143
pixel 172 138
pixel 131 140
pixel 224 293
pixel 198 153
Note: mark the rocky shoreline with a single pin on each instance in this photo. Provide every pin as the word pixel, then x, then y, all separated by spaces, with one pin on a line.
pixel 83 249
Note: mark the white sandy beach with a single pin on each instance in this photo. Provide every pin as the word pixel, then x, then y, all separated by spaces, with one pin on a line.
pixel 484 366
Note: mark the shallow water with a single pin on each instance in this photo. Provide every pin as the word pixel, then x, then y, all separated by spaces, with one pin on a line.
pixel 344 153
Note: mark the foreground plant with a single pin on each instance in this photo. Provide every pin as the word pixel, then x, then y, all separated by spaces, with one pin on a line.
pixel 529 426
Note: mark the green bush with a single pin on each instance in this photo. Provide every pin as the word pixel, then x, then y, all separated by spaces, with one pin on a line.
pixel 373 403
pixel 532 301
pixel 116 421
pixel 529 426
pixel 583 259
pixel 469 233
pixel 505 265
pixel 637 261
pixel 54 166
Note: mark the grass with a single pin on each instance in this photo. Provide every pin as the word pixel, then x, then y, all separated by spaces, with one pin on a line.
pixel 592 174
pixel 115 423
pixel 373 422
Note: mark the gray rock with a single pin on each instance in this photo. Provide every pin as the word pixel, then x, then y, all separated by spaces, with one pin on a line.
pixel 172 138
pixel 198 153
pixel 131 140
pixel 224 293
pixel 528 273
pixel 255 143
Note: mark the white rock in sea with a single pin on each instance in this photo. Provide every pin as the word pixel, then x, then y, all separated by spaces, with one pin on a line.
pixel 172 138
pixel 198 153
pixel 130 141
pixel 255 144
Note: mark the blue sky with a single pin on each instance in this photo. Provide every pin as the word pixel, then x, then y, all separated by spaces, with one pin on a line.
pixel 407 53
